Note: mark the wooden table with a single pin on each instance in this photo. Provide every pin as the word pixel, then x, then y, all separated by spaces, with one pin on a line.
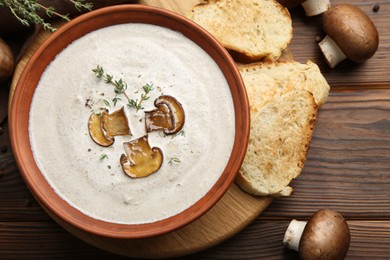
pixel 348 168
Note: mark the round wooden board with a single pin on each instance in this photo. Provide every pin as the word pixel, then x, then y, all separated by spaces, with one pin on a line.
pixel 231 214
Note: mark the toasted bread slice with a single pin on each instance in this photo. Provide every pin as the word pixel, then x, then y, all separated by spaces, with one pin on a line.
pixel 251 29
pixel 280 135
pixel 265 80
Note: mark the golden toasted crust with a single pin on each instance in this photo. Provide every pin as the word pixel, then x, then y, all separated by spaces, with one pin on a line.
pixel 264 80
pixel 284 98
pixel 278 144
pixel 250 29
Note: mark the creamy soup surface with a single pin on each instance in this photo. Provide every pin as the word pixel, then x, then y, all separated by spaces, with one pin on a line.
pixel 89 177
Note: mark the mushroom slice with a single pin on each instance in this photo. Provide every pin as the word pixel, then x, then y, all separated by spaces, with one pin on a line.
pixel 141 160
pixel 96 131
pixel 176 112
pixel 104 126
pixel 169 116
pixel 158 119
pixel 115 123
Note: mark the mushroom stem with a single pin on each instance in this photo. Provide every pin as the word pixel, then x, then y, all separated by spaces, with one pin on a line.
pixel 293 234
pixel 315 7
pixel 332 52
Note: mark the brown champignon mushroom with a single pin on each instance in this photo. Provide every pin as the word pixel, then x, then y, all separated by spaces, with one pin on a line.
pixel 96 131
pixel 104 126
pixel 325 236
pixel 141 160
pixel 115 123
pixel 158 119
pixel 7 62
pixel 350 34
pixel 169 116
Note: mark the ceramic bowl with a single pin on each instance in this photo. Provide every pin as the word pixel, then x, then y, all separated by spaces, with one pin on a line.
pixel 19 119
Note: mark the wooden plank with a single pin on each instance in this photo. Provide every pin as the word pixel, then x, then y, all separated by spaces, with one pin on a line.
pixel 178 6
pixel 373 73
pixel 11 183
pixel 26 240
pixel 32 240
pixel 264 238
pixel 348 165
pixel 347 169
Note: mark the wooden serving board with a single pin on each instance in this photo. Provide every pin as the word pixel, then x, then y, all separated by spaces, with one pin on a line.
pixel 230 215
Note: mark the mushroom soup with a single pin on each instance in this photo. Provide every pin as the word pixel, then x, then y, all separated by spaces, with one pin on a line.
pixel 89 176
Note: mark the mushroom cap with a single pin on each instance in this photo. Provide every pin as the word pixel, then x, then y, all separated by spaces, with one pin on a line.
pixel 7 62
pixel 326 236
pixel 352 30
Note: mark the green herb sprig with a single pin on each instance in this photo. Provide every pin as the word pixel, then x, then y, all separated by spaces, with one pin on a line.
pixel 120 85
pixel 26 11
pixel 144 96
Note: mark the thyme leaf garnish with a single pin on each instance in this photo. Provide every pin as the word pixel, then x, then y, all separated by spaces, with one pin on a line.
pixel 144 96
pixel 103 156
pixel 105 101
pixel 181 133
pixel 120 85
pixel 115 100
pixel 173 160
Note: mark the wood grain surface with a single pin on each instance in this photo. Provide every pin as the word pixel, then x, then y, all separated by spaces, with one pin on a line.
pixel 348 168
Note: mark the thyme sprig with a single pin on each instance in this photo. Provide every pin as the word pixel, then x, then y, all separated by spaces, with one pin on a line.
pixel 81 5
pixel 144 96
pixel 120 85
pixel 26 11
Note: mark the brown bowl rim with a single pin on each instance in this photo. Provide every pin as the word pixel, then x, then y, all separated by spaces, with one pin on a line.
pixel 19 116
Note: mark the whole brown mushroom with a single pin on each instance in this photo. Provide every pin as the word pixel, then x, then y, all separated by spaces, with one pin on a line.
pixel 350 34
pixel 325 236
pixel 6 61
